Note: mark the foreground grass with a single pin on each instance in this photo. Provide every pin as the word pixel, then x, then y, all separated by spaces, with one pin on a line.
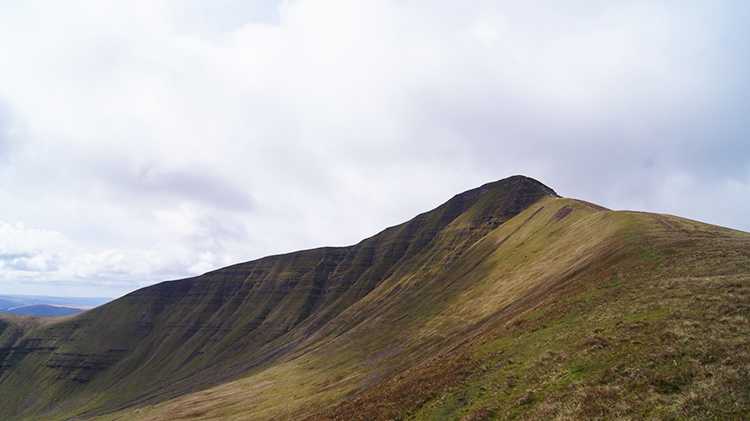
pixel 623 358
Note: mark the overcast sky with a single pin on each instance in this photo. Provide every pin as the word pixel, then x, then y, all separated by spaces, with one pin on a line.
pixel 143 141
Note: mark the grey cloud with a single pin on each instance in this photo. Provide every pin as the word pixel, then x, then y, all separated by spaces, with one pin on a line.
pixel 30 263
pixel 200 186
pixel 10 257
pixel 27 265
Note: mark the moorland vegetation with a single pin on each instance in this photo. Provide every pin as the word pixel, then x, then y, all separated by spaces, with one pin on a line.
pixel 506 302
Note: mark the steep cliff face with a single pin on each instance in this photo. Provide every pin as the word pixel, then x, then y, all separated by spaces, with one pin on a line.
pixel 182 336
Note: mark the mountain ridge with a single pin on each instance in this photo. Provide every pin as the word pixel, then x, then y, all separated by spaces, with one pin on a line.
pixel 328 280
pixel 319 333
pixel 39 305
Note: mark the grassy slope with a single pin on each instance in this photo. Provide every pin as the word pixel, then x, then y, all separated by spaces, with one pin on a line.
pixel 177 337
pixel 651 323
pixel 562 312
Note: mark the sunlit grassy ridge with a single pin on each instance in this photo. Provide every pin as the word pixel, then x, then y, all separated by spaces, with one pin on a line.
pixel 507 302
pixel 652 323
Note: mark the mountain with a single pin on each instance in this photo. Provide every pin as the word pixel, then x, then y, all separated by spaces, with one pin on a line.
pixel 506 302
pixel 43 310
pixel 35 305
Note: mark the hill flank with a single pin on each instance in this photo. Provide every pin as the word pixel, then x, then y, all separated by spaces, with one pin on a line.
pixel 507 302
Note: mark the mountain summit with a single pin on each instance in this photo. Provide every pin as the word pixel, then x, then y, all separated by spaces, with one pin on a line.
pixel 507 301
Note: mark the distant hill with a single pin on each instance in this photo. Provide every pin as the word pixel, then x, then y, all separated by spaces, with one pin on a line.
pixel 506 302
pixel 6 303
pixel 43 310
pixel 37 305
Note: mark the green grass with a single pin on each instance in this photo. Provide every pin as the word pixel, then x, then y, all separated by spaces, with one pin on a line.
pixel 631 339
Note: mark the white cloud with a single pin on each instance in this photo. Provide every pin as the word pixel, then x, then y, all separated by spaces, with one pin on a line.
pixel 171 137
pixel 30 250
